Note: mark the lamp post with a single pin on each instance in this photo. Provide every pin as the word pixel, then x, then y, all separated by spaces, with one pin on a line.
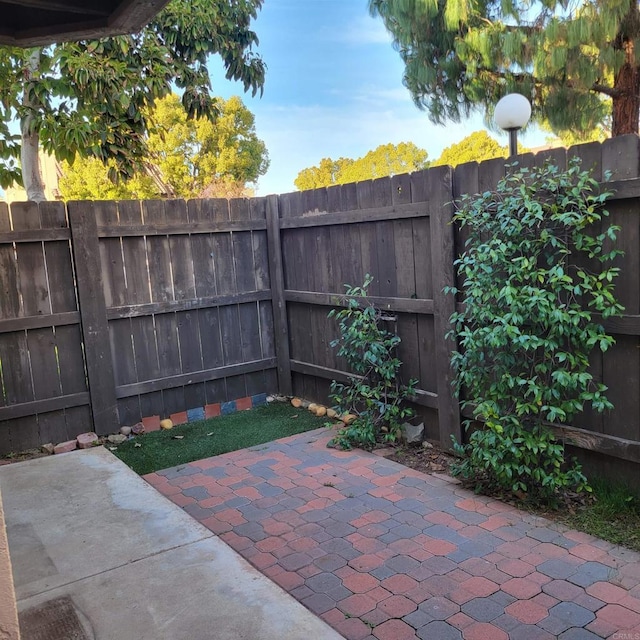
pixel 512 113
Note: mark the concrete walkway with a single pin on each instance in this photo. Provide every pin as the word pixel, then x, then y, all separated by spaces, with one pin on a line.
pixel 97 553
pixel 380 551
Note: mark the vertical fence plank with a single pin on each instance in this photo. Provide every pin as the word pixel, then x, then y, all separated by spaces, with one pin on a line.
pixel 18 367
pixel 556 157
pixel 297 278
pixel 202 250
pixel 260 252
pixel 161 290
pixel 318 265
pixel 403 239
pixel 180 247
pixel 492 171
pixel 205 286
pixel 169 358
pixel 158 252
pixel 114 284
pixel 134 335
pixel 34 288
pixel 184 288
pixel 135 254
pixel 387 277
pixel 368 248
pixel 422 247
pixel 276 275
pixel 59 426
pixel 93 313
pixel 58 259
pixel 115 295
pixel 590 156
pixel 44 365
pixel 349 254
pixel 245 274
pixel 407 323
pixel 621 363
pixel 269 377
pixel 9 295
pixel 443 247
pixel 14 355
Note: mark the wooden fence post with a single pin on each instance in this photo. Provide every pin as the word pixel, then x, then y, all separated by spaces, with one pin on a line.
pixel 440 190
pixel 93 316
pixel 276 275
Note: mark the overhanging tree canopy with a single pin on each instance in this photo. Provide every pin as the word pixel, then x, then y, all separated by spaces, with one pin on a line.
pixel 91 97
pixel 574 59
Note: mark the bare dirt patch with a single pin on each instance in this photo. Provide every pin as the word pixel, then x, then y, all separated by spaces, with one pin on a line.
pixel 431 459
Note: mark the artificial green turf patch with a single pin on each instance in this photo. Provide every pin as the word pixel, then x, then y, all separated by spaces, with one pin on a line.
pixel 206 438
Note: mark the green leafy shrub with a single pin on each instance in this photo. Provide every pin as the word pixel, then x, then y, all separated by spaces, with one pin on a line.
pixel 534 271
pixel 374 394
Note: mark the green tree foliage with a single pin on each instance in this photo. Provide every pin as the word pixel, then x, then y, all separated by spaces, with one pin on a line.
pixel 88 179
pixel 194 157
pixel 385 160
pixel 374 395
pixel 570 138
pixel 92 98
pixel 527 328
pixel 328 172
pixel 576 61
pixel 478 146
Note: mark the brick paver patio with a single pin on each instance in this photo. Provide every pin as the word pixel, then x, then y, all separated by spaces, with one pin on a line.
pixel 381 551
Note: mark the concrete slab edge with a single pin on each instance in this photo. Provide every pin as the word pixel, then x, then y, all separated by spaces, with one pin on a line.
pixel 9 628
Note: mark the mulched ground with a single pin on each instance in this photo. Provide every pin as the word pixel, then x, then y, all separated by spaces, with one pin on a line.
pixel 427 459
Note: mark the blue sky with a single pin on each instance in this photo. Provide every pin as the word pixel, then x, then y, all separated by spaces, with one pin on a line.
pixel 333 88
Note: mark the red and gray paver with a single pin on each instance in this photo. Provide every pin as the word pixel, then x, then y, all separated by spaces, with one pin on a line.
pixel 381 551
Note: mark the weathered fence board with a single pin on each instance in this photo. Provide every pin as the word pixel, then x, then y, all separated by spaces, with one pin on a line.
pixel 93 314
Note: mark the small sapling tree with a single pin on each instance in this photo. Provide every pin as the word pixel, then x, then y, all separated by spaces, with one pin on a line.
pixel 374 394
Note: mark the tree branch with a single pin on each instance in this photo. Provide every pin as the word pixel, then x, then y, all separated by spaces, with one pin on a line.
pixel 609 91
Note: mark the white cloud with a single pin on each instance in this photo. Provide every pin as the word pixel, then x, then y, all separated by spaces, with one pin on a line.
pixel 364 30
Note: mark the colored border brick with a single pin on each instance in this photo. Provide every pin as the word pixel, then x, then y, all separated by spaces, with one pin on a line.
pixel 179 418
pixel 259 400
pixel 228 407
pixel 242 404
pixel 212 410
pixel 151 423
pixel 195 414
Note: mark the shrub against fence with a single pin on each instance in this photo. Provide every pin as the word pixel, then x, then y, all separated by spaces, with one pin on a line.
pixel 111 312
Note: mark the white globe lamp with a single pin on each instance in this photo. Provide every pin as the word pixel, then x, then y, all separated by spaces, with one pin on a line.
pixel 512 113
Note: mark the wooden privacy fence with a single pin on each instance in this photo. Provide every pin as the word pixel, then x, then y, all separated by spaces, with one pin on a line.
pixel 116 311
pixel 113 312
